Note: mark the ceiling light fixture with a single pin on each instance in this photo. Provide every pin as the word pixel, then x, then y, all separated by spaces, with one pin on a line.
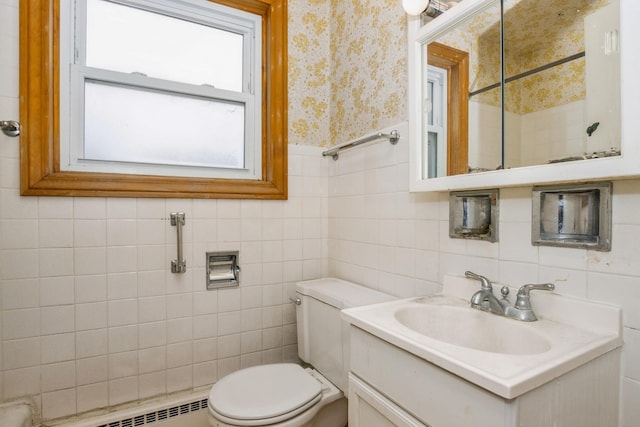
pixel 414 7
pixel 431 8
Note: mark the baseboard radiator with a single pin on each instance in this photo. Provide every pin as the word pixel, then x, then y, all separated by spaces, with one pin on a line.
pixel 144 415
pixel 159 415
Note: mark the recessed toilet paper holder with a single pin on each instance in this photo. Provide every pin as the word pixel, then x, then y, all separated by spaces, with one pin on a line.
pixel 222 269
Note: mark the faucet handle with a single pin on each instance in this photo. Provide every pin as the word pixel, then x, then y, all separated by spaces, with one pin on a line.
pixel 522 298
pixel 485 283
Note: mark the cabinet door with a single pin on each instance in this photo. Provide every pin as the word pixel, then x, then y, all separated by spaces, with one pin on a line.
pixel 369 408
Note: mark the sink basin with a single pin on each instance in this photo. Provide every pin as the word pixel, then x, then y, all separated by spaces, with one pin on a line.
pixel 470 328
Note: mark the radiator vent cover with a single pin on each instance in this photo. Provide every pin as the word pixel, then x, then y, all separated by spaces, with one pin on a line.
pixel 158 415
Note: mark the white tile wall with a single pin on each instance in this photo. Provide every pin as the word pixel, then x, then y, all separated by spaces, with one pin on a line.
pixel 484 136
pixel 388 239
pixel 542 131
pixel 92 317
pixel 532 138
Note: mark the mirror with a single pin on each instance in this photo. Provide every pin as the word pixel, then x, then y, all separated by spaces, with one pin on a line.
pixel 464 72
pixel 561 102
pixel 550 99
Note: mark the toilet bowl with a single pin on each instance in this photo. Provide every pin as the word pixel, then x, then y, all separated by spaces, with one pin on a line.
pixel 279 395
pixel 286 394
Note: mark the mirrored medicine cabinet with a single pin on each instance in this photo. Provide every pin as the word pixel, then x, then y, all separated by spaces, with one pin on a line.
pixel 516 92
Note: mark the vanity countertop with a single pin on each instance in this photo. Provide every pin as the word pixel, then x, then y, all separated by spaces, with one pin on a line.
pixel 575 330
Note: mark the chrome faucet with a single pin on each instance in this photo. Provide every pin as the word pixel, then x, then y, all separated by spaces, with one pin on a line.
pixel 485 300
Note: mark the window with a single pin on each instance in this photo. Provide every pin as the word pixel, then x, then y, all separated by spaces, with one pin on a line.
pixel 171 111
pixel 436 123
pixel 171 92
pixel 455 64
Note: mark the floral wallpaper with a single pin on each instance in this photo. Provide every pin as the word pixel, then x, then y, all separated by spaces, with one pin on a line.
pixel 368 67
pixel 347 69
pixel 483 46
pixel 535 35
pixel 309 72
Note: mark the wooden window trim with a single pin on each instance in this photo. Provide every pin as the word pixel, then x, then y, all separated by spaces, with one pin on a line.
pixel 40 173
pixel 456 62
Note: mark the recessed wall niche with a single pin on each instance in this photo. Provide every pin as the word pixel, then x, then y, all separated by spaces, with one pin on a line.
pixel 474 215
pixel 575 216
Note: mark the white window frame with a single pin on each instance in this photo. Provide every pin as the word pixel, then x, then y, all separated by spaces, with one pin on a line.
pixel 438 105
pixel 73 73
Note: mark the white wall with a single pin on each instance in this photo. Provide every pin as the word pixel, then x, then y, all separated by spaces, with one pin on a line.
pixel 91 316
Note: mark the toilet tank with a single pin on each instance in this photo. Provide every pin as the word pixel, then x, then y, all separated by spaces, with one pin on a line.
pixel 323 337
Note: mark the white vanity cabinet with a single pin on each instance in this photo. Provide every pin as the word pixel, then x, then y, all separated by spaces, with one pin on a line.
pixel 389 386
pixel 368 407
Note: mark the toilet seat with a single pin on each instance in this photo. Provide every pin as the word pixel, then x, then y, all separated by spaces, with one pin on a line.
pixel 264 394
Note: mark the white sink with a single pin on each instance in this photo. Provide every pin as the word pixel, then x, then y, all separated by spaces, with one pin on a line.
pixel 505 356
pixel 470 328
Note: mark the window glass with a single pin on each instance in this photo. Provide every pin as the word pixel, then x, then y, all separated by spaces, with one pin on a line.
pixel 130 40
pixel 436 102
pixel 432 155
pixel 429 107
pixel 156 127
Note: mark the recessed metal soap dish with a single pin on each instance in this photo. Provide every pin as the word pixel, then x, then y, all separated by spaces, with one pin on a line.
pixel 577 216
pixel 474 215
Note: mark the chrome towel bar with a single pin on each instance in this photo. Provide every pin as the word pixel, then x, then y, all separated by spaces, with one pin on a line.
pixel 393 138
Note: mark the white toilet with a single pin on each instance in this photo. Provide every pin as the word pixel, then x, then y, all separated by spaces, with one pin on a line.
pixel 285 394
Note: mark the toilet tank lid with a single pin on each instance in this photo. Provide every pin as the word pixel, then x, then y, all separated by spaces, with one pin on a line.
pixel 341 293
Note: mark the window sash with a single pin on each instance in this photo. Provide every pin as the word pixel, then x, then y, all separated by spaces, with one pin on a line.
pixel 175 129
pixel 177 48
pixel 72 132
